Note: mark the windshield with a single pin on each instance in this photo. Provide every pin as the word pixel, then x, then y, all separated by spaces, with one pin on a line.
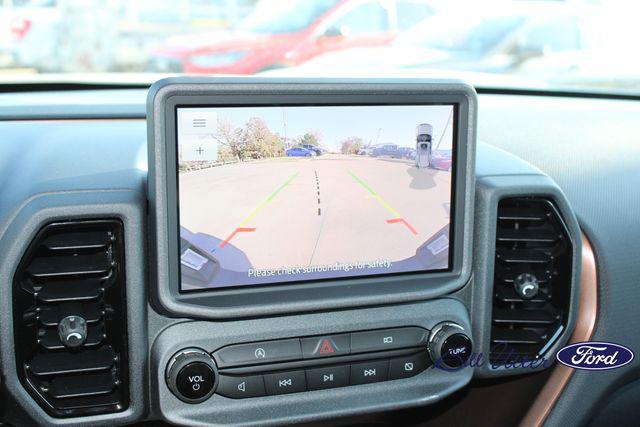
pixel 583 45
pixel 458 33
pixel 277 16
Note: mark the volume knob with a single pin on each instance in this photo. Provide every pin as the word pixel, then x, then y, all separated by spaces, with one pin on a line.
pixel 191 375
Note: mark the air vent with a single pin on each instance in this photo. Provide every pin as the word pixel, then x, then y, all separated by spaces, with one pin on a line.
pixel 71 284
pixel 532 280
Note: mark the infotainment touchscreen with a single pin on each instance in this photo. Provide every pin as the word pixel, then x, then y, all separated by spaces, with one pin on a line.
pixel 283 194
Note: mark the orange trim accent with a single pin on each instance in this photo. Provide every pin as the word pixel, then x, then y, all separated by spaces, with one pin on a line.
pixel 585 325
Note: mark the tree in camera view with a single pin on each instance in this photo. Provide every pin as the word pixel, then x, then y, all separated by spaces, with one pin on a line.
pixel 253 141
pixel 309 138
pixel 351 145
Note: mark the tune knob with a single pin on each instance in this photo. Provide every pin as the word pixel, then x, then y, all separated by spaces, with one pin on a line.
pixel 72 331
pixel 449 345
pixel 191 375
pixel 526 285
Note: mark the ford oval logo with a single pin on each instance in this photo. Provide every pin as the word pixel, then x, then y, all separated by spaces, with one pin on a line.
pixel 595 355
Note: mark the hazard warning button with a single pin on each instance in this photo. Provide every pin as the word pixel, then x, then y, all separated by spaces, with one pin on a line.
pixel 325 346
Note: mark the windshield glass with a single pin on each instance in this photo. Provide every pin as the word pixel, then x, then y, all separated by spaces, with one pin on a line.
pixel 583 45
pixel 277 16
pixel 459 33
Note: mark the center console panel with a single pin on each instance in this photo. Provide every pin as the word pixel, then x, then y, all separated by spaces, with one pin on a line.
pixel 303 367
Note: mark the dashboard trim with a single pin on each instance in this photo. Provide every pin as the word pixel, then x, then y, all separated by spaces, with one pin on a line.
pixel 585 326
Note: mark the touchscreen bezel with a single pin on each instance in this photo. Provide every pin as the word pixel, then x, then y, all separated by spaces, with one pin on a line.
pixel 168 95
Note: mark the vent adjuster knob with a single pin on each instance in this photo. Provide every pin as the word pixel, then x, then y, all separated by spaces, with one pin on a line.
pixel 72 331
pixel 526 285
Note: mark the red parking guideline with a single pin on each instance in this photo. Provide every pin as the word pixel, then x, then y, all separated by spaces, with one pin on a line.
pixel 404 221
pixel 236 231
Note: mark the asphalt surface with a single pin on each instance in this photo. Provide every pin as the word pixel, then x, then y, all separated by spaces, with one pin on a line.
pixel 316 211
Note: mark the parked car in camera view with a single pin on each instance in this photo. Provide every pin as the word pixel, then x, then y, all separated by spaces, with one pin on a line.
pixel 279 33
pixel 365 151
pixel 406 153
pixel 299 152
pixel 317 150
pixel 386 150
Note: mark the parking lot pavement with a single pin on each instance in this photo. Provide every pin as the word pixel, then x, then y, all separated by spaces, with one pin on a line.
pixel 333 208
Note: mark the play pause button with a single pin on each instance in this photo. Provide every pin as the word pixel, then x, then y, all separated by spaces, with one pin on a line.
pixel 327 377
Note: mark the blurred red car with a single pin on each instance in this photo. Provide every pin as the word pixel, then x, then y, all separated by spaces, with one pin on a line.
pixel 441 159
pixel 281 33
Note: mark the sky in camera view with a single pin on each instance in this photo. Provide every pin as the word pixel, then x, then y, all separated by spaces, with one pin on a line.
pixel 332 125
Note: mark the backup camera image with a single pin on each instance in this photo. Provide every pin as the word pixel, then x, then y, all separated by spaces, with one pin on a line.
pixel 294 193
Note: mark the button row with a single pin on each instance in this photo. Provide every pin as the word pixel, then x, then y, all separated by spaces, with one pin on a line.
pixel 320 346
pixel 321 378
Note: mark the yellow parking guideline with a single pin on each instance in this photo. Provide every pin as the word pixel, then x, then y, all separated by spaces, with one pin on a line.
pixel 378 197
pixel 268 200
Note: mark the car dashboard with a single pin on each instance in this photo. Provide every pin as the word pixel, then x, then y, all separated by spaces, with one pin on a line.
pixel 74 178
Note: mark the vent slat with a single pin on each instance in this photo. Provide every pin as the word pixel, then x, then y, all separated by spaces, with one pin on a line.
pixel 52 314
pixel 515 352
pixel 528 235
pixel 50 340
pixel 515 336
pixel 516 214
pixel 101 359
pixel 88 404
pixel 84 386
pixel 93 264
pixel 502 315
pixel 523 256
pixel 507 294
pixel 69 291
pixel 78 241
pixel 507 273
